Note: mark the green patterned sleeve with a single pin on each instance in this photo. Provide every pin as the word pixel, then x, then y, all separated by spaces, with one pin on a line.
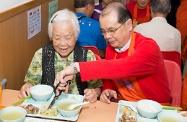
pixel 34 72
pixel 97 82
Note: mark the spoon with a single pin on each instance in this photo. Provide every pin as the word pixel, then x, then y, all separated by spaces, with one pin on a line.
pixel 72 106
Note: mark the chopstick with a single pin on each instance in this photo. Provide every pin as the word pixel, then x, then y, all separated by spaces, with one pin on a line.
pixel 20 101
pixel 171 108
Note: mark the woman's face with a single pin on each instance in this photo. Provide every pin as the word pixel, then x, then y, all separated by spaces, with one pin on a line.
pixel 142 3
pixel 63 38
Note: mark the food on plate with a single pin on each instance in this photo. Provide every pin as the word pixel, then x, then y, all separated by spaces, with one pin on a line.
pixel 30 109
pixel 127 115
pixel 48 112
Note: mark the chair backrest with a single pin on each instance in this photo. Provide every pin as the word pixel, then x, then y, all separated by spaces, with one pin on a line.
pixel 175 81
pixel 173 56
pixel 3 83
pixel 95 51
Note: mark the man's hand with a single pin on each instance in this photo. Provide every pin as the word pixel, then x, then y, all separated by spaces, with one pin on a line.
pixel 107 94
pixel 91 95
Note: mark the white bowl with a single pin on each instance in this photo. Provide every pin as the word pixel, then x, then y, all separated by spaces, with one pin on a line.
pixel 13 114
pixel 170 116
pixel 148 108
pixel 41 92
pixel 62 105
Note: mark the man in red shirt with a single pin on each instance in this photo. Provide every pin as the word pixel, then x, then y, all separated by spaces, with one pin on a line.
pixel 133 68
pixel 140 11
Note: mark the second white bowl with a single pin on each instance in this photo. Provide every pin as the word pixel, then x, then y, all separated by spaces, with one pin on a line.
pixel 148 108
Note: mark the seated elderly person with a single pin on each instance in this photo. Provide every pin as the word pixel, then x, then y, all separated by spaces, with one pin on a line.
pixel 134 67
pixel 63 30
pixel 166 36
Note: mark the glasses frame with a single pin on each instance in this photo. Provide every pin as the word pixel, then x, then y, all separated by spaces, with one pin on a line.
pixel 104 32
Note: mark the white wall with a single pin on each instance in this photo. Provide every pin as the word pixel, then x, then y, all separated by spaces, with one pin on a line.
pixel 9 4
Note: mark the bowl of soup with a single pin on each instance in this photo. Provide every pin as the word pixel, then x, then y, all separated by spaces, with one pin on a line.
pixel 62 107
pixel 13 114
pixel 41 92
pixel 170 116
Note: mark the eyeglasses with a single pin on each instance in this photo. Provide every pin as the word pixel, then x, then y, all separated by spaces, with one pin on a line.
pixel 110 31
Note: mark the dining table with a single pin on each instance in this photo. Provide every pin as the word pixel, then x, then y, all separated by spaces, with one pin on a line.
pixel 92 112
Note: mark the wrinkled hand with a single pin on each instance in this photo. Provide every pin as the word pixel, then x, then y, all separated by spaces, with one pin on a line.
pixel 24 91
pixel 63 76
pixel 107 94
pixel 91 95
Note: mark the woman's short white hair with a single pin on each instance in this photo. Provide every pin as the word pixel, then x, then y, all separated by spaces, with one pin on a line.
pixel 62 16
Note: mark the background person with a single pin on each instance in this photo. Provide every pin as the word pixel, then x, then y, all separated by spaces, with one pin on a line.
pixel 134 67
pixel 166 36
pixel 89 28
pixel 126 1
pixel 99 7
pixel 63 30
pixel 140 11
pixel 181 19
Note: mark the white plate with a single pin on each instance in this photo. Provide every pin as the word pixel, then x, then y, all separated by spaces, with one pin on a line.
pixel 139 118
pixel 31 119
pixel 46 103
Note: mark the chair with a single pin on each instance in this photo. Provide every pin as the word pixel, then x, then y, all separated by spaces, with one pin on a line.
pixel 172 55
pixel 175 81
pixel 3 83
pixel 95 51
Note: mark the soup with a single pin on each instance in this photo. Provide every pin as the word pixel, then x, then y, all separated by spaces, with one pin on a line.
pixel 169 119
pixel 11 115
pixel 64 106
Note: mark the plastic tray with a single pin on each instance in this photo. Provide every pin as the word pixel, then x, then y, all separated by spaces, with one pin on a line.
pixel 46 103
pixel 121 103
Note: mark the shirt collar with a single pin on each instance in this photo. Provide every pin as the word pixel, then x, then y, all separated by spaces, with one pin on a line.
pixel 80 14
pixel 124 48
pixel 159 19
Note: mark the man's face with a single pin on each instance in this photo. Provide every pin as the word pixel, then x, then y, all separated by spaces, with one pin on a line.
pixel 116 34
pixel 142 3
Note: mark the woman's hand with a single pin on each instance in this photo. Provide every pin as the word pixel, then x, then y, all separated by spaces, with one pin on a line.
pixel 24 91
pixel 91 95
pixel 107 94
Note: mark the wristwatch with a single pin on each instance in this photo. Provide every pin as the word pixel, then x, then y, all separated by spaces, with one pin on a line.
pixel 72 64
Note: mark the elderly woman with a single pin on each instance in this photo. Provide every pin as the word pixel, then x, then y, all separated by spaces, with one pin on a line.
pixel 63 30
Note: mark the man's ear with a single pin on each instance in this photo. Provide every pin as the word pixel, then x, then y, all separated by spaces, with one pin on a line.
pixel 88 6
pixel 89 9
pixel 129 24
